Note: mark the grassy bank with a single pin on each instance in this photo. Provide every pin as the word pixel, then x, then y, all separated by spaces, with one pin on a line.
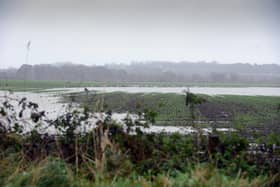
pixel 28 85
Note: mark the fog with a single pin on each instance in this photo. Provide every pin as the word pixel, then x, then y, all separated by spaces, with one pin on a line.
pixel 121 31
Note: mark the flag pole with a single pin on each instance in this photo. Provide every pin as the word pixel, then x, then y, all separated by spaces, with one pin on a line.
pixel 26 62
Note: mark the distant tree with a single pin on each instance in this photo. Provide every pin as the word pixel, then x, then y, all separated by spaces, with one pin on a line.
pixel 191 101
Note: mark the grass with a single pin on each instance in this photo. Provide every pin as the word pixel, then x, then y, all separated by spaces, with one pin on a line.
pixel 170 151
pixel 55 172
pixel 171 109
pixel 110 156
pixel 22 85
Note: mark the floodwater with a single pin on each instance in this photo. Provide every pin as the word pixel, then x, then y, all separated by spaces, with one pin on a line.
pixel 49 101
pixel 249 91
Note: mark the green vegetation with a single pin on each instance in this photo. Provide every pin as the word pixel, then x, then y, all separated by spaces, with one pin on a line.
pixel 110 154
pixel 246 111
pixel 156 160
pixel 55 172
pixel 31 85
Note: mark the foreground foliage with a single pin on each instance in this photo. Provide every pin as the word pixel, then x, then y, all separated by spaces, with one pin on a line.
pixel 55 172
pixel 109 154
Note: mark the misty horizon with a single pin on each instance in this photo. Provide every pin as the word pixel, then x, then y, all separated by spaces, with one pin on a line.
pixel 103 32
pixel 147 62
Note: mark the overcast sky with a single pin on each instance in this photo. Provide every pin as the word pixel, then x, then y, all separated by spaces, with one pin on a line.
pixel 106 31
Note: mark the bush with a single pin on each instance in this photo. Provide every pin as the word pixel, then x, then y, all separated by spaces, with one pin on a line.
pixel 50 172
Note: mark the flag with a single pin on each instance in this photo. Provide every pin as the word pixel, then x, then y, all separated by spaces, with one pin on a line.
pixel 28 45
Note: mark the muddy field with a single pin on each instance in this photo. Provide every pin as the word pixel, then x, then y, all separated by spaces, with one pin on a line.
pixel 252 112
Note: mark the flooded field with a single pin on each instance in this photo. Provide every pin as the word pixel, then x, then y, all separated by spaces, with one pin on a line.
pixel 249 91
pixel 50 100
